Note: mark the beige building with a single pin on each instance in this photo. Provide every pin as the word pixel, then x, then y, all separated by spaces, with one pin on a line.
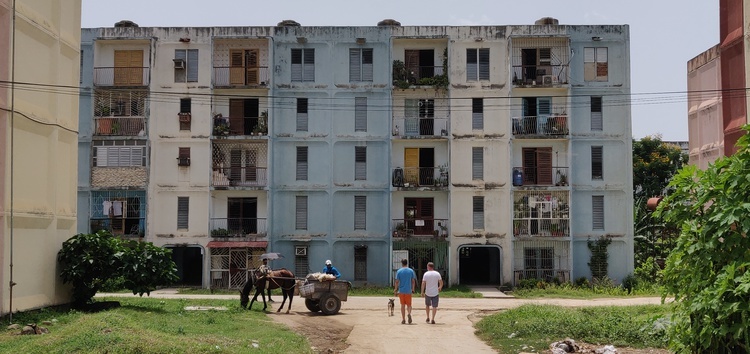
pixel 39 144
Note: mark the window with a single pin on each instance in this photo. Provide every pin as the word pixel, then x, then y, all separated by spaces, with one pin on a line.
pixel 185 65
pixel 360 114
pixel 597 212
pixel 302 163
pixel 360 263
pixel 595 65
pixel 302 114
pixel 596 113
pixel 128 70
pixel 538 262
pixel 244 116
pixel 119 153
pixel 360 64
pixel 477 114
pixel 477 163
pixel 303 64
pixel 300 213
pixel 478 213
pixel 185 115
pixel 419 116
pixel 301 262
pixel 360 212
pixel 477 64
pixel 420 63
pixel 183 156
pixel 537 165
pixel 596 162
pixel 360 163
pixel 183 210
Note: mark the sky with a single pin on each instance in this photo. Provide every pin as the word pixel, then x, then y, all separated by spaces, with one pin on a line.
pixel 664 34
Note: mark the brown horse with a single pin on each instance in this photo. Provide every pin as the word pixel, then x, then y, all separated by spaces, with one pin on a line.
pixel 278 279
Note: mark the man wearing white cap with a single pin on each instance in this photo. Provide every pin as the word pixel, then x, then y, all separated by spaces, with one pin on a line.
pixel 330 269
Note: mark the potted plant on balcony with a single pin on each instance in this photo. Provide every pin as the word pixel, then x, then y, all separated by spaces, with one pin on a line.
pixel 443 182
pixel 262 127
pixel 556 230
pixel 562 179
pixel 400 230
pixel 220 232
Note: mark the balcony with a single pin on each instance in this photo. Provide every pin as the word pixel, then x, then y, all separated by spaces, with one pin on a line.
pixel 405 77
pixel 541 126
pixel 119 126
pixel 237 227
pixel 425 227
pixel 541 214
pixel 121 76
pixel 240 77
pixel 240 126
pixel 420 177
pixel 425 128
pixel 248 176
pixel 547 260
pixel 540 75
pixel 540 61
pixel 540 176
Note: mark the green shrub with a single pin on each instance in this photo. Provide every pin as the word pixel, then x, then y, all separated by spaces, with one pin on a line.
pixel 582 282
pixel 145 266
pixel 629 283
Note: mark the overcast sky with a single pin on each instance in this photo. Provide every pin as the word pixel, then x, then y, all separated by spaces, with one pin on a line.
pixel 664 34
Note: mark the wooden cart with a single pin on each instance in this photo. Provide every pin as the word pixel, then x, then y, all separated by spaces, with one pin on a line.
pixel 324 296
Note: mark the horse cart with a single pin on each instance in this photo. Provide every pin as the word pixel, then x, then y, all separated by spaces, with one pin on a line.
pixel 324 296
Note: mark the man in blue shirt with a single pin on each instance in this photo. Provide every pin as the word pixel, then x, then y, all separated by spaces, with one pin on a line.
pixel 330 269
pixel 406 282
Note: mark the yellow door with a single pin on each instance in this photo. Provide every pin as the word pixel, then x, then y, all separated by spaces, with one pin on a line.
pixel 411 166
pixel 128 70
pixel 236 67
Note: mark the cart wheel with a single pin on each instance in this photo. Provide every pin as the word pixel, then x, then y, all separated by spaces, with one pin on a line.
pixel 312 305
pixel 329 304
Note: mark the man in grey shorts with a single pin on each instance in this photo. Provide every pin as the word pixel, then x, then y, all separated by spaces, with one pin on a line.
pixel 432 284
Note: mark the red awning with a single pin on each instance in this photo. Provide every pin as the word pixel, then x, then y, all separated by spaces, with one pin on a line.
pixel 237 244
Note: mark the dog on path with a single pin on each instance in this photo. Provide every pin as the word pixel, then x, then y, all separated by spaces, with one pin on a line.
pixel 391 305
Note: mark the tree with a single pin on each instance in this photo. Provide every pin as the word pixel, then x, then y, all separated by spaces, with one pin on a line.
pixel 708 271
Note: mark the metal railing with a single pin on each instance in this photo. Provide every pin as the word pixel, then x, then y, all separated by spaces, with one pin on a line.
pixel 420 177
pixel 541 213
pixel 540 75
pixel 240 126
pixel 541 176
pixel 424 127
pixel 237 227
pixel 240 176
pixel 121 76
pixel 547 275
pixel 416 73
pixel 426 226
pixel 543 125
pixel 120 126
pixel 238 76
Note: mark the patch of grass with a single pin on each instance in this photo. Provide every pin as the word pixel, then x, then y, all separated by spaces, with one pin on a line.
pixel 539 325
pixel 459 291
pixel 570 291
pixel 144 325
pixel 202 291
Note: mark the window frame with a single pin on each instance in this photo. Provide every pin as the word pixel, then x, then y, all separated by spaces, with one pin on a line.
pixel 183 213
pixel 596 64
pixel 303 116
pixel 300 221
pixel 302 163
pixel 477 163
pixel 477 113
pixel 304 70
pixel 359 69
pixel 360 212
pixel 103 149
pixel 191 58
pixel 477 211
pixel 597 115
pixel 360 114
pixel 478 68
pixel 597 212
pixel 597 163
pixel 360 163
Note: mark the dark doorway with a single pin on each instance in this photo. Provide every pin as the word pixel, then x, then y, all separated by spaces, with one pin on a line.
pixel 426 167
pixel 529 64
pixel 479 265
pixel 243 215
pixel 419 215
pixel 189 261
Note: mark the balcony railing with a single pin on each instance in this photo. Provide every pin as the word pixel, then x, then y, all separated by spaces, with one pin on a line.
pixel 547 275
pixel 237 76
pixel 240 126
pixel 121 76
pixel 420 127
pixel 543 125
pixel 247 176
pixel 426 226
pixel 540 75
pixel 540 176
pixel 120 126
pixel 541 214
pixel 409 177
pixel 125 226
pixel 237 227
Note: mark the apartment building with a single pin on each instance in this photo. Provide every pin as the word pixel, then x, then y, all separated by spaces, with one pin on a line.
pixel 489 150
pixel 39 61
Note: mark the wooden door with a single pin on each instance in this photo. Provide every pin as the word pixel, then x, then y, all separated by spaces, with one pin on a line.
pixel 411 166
pixel 237 116
pixel 128 70
pixel 236 67
pixel 251 67
pixel 419 215
pixel 544 166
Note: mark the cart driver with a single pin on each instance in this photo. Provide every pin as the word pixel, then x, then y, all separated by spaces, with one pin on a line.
pixel 266 271
pixel 330 269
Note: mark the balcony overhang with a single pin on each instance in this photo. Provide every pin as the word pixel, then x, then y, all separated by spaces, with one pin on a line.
pixel 237 244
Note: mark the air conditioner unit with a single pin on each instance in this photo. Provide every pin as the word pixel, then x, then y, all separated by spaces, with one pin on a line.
pixel 179 63
pixel 183 161
pixel 300 251
pixel 184 117
pixel 547 79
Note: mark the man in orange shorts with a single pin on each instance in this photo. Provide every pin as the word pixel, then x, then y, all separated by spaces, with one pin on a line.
pixel 406 282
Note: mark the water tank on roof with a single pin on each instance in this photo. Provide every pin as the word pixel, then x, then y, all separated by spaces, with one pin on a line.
pixel 547 21
pixel 389 22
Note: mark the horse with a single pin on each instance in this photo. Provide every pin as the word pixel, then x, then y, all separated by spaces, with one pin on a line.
pixel 277 279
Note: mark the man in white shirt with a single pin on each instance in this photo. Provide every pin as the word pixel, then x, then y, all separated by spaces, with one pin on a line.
pixel 432 284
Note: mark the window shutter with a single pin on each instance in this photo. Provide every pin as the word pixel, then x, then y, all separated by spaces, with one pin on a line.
pixel 360 114
pixel 101 156
pixel 183 211
pixel 367 64
pixel 185 105
pixel 302 118
pixel 300 215
pixel 478 213
pixel 484 64
pixel 544 106
pixel 477 163
pixel 477 114
pixel 179 74
pixel 589 55
pixel 544 166
pixel 597 212
pixel 296 64
pixel 596 162
pixel 471 64
pixel 597 121
pixel 355 69
pixel 123 160
pixel 192 65
pixel 360 163
pixel 308 70
pixel 360 212
pixel 411 108
pixel 302 163
pixel 136 156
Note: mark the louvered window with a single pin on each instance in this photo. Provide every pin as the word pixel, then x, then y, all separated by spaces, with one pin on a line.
pixel 477 114
pixel 302 163
pixel 596 162
pixel 303 64
pixel 185 115
pixel 360 114
pixel 186 65
pixel 302 115
pixel 301 261
pixel 595 64
pixel 300 213
pixel 360 263
pixel 597 212
pixel 360 212
pixel 183 156
pixel 119 153
pixel 183 210
pixel 477 163
pixel 360 163
pixel 478 213
pixel 597 122
pixel 360 64
pixel 477 64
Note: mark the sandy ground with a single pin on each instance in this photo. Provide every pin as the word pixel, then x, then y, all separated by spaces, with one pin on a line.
pixel 363 324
